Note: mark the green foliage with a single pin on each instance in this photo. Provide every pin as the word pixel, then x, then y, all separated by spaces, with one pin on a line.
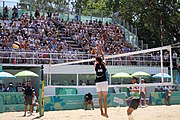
pixel 145 15
pixel 97 7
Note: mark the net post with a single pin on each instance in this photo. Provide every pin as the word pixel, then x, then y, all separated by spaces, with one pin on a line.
pixel 41 93
pixel 171 65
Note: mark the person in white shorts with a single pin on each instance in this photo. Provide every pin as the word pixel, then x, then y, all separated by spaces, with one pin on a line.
pixel 142 93
pixel 101 84
pixel 35 102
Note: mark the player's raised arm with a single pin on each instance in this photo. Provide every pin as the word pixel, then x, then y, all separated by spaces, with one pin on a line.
pixel 102 53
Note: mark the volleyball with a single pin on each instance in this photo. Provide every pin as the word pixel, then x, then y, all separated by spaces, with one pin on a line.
pixel 16 45
pixel 93 51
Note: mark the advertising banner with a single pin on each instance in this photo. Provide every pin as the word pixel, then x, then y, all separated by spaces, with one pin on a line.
pixel 65 102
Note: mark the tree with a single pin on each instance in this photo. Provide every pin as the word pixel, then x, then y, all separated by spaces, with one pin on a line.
pixel 46 5
pixel 145 15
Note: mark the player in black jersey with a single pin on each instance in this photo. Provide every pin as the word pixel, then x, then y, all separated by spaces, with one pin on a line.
pixel 101 83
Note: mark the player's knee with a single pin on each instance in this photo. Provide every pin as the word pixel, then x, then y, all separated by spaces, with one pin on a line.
pixel 129 111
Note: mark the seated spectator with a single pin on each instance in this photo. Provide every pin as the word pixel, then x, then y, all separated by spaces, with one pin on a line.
pixel 87 82
pixel 10 88
pixel 19 87
pixel 72 82
pixel 88 100
pixel 1 88
pixel 80 82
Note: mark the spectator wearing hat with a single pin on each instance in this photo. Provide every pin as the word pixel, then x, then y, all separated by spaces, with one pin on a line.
pixel 10 88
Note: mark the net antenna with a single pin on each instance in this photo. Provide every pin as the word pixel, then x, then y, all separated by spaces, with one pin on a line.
pixel 168 48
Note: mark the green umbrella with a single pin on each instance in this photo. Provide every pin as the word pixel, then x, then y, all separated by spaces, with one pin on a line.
pixel 26 73
pixel 141 74
pixel 122 75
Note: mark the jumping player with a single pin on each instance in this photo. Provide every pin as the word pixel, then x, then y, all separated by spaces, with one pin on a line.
pixel 101 83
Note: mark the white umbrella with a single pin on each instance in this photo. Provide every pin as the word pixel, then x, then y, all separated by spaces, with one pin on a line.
pixel 159 75
pixel 6 75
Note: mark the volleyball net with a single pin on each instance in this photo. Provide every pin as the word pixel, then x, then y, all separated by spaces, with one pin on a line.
pixel 152 61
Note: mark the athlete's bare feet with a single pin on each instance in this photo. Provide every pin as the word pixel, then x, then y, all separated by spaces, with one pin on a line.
pixel 105 115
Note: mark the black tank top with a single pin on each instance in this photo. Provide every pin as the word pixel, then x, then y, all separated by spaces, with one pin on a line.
pixel 100 72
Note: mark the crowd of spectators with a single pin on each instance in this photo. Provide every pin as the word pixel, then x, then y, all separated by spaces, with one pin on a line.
pixel 40 35
pixel 11 87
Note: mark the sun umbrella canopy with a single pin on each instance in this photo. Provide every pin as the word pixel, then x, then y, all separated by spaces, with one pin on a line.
pixel 141 74
pixel 159 75
pixel 178 79
pixel 26 73
pixel 6 75
pixel 122 75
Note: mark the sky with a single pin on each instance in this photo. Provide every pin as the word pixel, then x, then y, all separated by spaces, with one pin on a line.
pixel 9 3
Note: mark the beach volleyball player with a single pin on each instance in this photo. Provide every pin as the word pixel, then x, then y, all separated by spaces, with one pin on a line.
pixel 101 82
pixel 135 99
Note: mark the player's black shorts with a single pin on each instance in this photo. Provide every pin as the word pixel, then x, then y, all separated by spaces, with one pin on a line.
pixel 28 100
pixel 134 103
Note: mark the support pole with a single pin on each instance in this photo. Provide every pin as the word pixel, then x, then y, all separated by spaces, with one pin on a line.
pixel 91 10
pixel 109 79
pixel 162 67
pixel 77 79
pixel 3 8
pixel 41 93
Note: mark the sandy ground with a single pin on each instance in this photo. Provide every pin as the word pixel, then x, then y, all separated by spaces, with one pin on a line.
pixel 115 113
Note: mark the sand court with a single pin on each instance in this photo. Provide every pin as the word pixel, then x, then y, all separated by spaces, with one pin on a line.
pixel 115 113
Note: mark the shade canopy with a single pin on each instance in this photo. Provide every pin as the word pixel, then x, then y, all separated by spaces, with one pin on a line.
pixel 159 75
pixel 6 75
pixel 121 75
pixel 178 79
pixel 26 73
pixel 141 74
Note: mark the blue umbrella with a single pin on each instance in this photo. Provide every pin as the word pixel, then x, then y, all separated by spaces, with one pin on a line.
pixel 6 75
pixel 178 78
pixel 159 75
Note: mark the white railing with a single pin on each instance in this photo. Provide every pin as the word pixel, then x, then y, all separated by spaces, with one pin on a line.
pixel 10 57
